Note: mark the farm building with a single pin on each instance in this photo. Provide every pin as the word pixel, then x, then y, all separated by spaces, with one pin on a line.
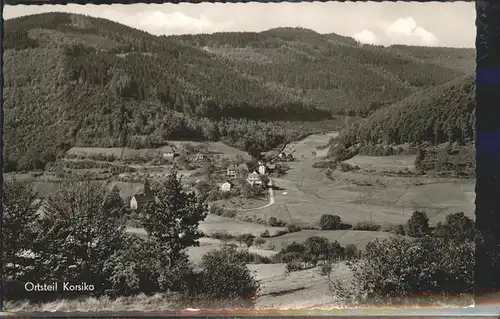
pixel 226 186
pixel 254 178
pixel 198 157
pixel 170 153
pixel 232 171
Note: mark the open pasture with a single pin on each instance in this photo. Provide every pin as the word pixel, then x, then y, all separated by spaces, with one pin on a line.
pixel 345 237
pixel 299 289
pixel 217 224
pixel 393 163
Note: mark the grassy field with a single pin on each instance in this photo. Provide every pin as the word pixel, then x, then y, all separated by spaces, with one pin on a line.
pixel 241 202
pixel 299 289
pixel 345 237
pixel 206 245
pixel 306 192
pixel 383 163
pixel 235 227
pixel 213 148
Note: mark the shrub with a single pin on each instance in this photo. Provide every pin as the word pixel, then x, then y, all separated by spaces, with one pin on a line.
pixel 417 225
pixel 325 270
pixel 401 267
pixel 293 266
pixel 265 234
pixel 248 239
pixel 346 167
pixel 367 225
pixel 253 258
pixel 230 213
pixel 457 227
pixel 224 236
pixel 395 229
pixel 352 252
pixel 293 228
pixel 225 276
pixel 216 210
pixel 330 222
pixel 259 241
pixel 273 222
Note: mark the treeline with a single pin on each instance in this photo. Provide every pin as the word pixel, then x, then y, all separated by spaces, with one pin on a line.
pixel 78 236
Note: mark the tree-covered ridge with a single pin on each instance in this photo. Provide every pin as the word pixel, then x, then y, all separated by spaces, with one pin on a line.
pixel 73 80
pixel 335 75
pixel 441 114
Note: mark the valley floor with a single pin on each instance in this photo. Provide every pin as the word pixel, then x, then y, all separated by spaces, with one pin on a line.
pixel 305 193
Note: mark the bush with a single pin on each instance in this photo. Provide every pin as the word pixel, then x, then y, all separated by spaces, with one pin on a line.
pixel 395 229
pixel 225 276
pixel 273 222
pixel 367 225
pixel 401 267
pixel 325 270
pixel 259 241
pixel 248 239
pixel 293 228
pixel 457 227
pixel 330 222
pixel 293 266
pixel 265 234
pixel 230 213
pixel 417 225
pixel 352 252
pixel 224 236
pixel 216 210
pixel 346 167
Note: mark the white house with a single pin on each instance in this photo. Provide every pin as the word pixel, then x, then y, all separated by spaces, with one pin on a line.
pixel 138 201
pixel 262 169
pixel 226 187
pixel 254 178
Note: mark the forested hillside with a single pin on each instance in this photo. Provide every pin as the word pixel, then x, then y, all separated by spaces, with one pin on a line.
pixel 438 122
pixel 72 80
pixel 441 114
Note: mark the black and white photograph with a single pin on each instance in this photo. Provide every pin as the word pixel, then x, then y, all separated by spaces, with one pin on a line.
pixel 257 156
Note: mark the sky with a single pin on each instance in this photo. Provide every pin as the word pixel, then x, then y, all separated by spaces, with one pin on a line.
pixel 383 23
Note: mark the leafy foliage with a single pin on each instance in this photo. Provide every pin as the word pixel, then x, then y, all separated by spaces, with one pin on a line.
pixel 457 227
pixel 20 219
pixel 225 276
pixel 172 217
pixel 402 267
pixel 417 225
pixel 330 222
pixel 367 225
pixel 82 226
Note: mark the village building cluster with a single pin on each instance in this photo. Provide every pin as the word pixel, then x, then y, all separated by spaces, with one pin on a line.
pixel 232 176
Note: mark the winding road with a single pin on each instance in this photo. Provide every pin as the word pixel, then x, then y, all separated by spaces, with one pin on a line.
pixel 271 199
